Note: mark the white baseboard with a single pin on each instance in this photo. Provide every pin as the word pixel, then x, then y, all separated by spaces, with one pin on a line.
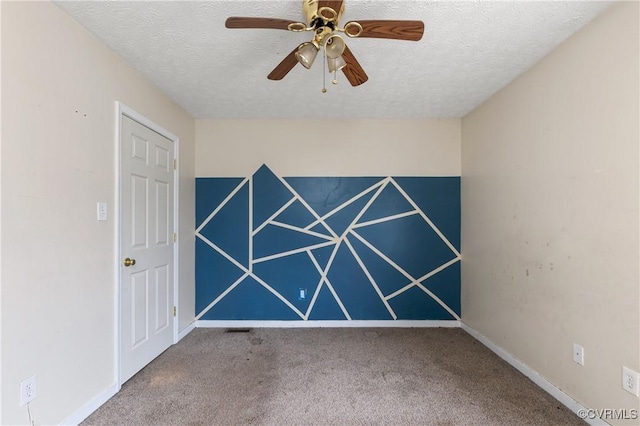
pixel 188 329
pixel 326 324
pixel 534 376
pixel 91 406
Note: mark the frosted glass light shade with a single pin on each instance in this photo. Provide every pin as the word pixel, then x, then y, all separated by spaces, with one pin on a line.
pixel 336 64
pixel 306 54
pixel 334 46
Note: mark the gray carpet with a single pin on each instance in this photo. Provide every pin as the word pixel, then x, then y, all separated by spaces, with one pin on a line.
pixel 332 376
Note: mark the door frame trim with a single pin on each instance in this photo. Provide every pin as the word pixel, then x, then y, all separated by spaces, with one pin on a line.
pixel 124 110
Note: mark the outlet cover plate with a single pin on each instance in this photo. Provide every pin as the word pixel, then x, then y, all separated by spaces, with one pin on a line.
pixel 630 381
pixel 578 354
pixel 27 390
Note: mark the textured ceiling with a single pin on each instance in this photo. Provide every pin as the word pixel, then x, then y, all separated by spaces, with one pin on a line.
pixel 469 51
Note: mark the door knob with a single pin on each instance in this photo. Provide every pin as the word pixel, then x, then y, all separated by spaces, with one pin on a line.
pixel 129 262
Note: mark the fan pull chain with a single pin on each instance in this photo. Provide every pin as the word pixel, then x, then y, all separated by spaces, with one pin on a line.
pixel 335 77
pixel 324 76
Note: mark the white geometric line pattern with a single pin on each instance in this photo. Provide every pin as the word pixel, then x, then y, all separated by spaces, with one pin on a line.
pixel 414 281
pixel 325 280
pixel 334 239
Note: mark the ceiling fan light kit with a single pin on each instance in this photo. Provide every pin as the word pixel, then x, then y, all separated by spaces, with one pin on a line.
pixel 336 64
pixel 306 54
pixel 323 17
pixel 333 46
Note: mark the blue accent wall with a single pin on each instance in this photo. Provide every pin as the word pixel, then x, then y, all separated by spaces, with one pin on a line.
pixel 358 248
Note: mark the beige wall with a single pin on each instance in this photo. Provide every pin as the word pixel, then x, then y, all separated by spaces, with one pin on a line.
pixel 59 88
pixel 550 217
pixel 328 147
pixel 550 202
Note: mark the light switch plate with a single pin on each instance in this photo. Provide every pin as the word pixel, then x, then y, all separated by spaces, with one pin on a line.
pixel 102 211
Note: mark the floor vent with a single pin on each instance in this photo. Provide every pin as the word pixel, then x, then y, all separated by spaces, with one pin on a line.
pixel 237 330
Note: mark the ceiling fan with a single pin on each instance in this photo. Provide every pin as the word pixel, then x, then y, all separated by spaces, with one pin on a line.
pixel 323 17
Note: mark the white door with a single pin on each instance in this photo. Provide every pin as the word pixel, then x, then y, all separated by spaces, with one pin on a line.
pixel 146 246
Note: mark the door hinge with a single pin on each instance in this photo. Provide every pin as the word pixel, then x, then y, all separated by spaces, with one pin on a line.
pixel 174 311
pixel 175 164
pixel 175 237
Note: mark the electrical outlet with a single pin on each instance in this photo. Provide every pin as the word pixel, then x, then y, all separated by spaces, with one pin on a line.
pixel 578 354
pixel 630 380
pixel 27 390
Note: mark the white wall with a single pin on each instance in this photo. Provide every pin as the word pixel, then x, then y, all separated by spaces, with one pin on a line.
pixel 59 88
pixel 550 212
pixel 328 147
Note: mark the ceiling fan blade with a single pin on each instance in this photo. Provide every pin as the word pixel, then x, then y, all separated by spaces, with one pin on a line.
pixel 250 22
pixel 353 71
pixel 398 30
pixel 284 67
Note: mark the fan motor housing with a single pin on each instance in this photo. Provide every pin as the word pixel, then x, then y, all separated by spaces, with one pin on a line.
pixel 320 17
